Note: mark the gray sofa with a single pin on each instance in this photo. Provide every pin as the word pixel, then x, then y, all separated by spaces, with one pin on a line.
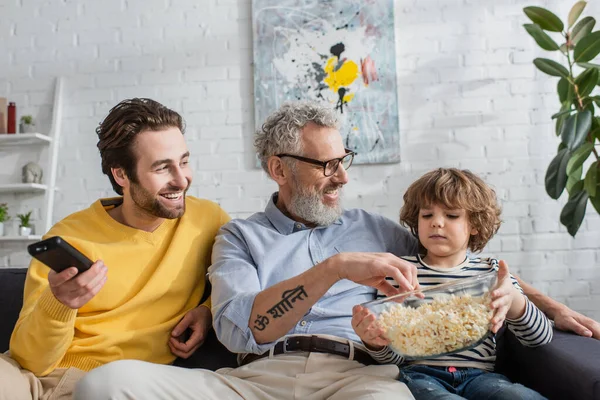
pixel 568 368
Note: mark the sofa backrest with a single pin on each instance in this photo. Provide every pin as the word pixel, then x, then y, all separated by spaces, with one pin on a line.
pixel 213 355
pixel 12 281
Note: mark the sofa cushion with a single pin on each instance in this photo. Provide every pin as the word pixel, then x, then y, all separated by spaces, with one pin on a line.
pixel 12 281
pixel 566 368
pixel 211 355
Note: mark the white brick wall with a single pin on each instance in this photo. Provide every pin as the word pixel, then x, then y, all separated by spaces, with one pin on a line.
pixel 469 97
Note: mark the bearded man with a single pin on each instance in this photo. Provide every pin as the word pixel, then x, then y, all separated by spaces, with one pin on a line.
pixel 151 246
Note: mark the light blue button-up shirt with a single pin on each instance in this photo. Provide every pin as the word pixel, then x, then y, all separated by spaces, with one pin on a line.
pixel 267 248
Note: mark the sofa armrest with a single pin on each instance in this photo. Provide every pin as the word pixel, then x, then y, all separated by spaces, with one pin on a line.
pixel 567 368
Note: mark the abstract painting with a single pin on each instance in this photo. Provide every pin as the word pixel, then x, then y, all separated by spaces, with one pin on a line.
pixel 339 52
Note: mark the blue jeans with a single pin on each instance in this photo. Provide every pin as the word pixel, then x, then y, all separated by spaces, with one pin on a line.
pixel 437 383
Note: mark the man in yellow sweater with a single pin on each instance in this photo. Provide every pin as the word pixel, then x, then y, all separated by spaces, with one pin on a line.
pixel 151 247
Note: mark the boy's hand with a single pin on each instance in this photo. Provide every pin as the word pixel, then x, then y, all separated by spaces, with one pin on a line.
pixel 366 327
pixel 507 301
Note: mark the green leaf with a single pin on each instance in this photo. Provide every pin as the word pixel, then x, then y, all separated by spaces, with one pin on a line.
pixel 596 133
pixel 582 29
pixel 575 12
pixel 589 106
pixel 589 65
pixel 541 37
pixel 556 175
pixel 592 181
pixel 586 81
pixel 544 18
pixel 561 146
pixel 551 67
pixel 560 121
pixel 573 180
pixel 578 158
pixel 573 212
pixel 575 129
pixel 566 105
pixel 596 203
pixel 561 113
pixel 587 48
pixel 563 89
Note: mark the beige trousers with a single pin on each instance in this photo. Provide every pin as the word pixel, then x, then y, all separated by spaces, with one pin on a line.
pixel 17 383
pixel 306 376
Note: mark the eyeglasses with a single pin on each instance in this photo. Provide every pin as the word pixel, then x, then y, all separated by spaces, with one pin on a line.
pixel 330 166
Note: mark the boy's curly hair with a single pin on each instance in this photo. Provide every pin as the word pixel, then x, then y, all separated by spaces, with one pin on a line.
pixel 453 188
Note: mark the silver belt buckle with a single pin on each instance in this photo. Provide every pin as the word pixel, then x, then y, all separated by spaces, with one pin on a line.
pixel 285 342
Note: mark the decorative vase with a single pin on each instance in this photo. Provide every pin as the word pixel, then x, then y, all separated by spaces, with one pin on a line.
pixel 26 128
pixel 24 230
pixel 1 228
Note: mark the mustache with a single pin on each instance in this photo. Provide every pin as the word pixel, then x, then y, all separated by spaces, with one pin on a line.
pixel 333 187
pixel 170 188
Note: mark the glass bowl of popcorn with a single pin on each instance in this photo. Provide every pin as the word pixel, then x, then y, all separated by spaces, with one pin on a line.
pixel 440 320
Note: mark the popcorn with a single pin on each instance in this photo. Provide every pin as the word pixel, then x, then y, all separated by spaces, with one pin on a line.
pixel 446 324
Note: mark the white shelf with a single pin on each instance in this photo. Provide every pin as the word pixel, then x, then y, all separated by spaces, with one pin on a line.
pixel 30 238
pixel 22 188
pixel 23 139
pixel 16 143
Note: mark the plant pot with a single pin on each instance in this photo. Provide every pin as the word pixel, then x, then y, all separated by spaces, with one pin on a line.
pixel 24 230
pixel 1 228
pixel 26 128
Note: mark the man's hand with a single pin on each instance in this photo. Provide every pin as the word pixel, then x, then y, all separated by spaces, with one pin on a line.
pixel 507 301
pixel 199 321
pixel 569 320
pixel 564 318
pixel 74 290
pixel 366 327
pixel 371 269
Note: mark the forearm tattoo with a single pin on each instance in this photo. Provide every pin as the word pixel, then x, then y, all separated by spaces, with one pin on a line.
pixel 288 298
pixel 261 322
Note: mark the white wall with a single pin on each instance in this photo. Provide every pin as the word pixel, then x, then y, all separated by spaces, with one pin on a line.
pixel 469 97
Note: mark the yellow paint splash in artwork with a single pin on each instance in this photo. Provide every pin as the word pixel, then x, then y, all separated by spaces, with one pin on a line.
pixel 348 97
pixel 342 77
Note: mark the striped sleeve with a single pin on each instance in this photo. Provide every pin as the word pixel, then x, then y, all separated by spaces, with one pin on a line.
pixel 386 356
pixel 533 328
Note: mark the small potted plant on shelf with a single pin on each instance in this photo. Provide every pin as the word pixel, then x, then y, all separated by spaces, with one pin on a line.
pixel 25 225
pixel 27 125
pixel 3 217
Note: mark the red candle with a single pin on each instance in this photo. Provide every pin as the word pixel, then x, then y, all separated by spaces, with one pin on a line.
pixel 12 118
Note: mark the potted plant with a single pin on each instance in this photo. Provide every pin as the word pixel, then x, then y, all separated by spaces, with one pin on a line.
pixel 577 120
pixel 3 217
pixel 25 225
pixel 27 125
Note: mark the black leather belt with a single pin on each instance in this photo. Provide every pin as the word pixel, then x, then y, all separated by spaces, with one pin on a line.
pixel 313 344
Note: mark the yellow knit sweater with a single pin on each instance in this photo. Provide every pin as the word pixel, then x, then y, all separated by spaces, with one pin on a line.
pixel 154 278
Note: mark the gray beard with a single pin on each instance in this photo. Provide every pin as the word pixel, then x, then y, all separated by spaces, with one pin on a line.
pixel 309 207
